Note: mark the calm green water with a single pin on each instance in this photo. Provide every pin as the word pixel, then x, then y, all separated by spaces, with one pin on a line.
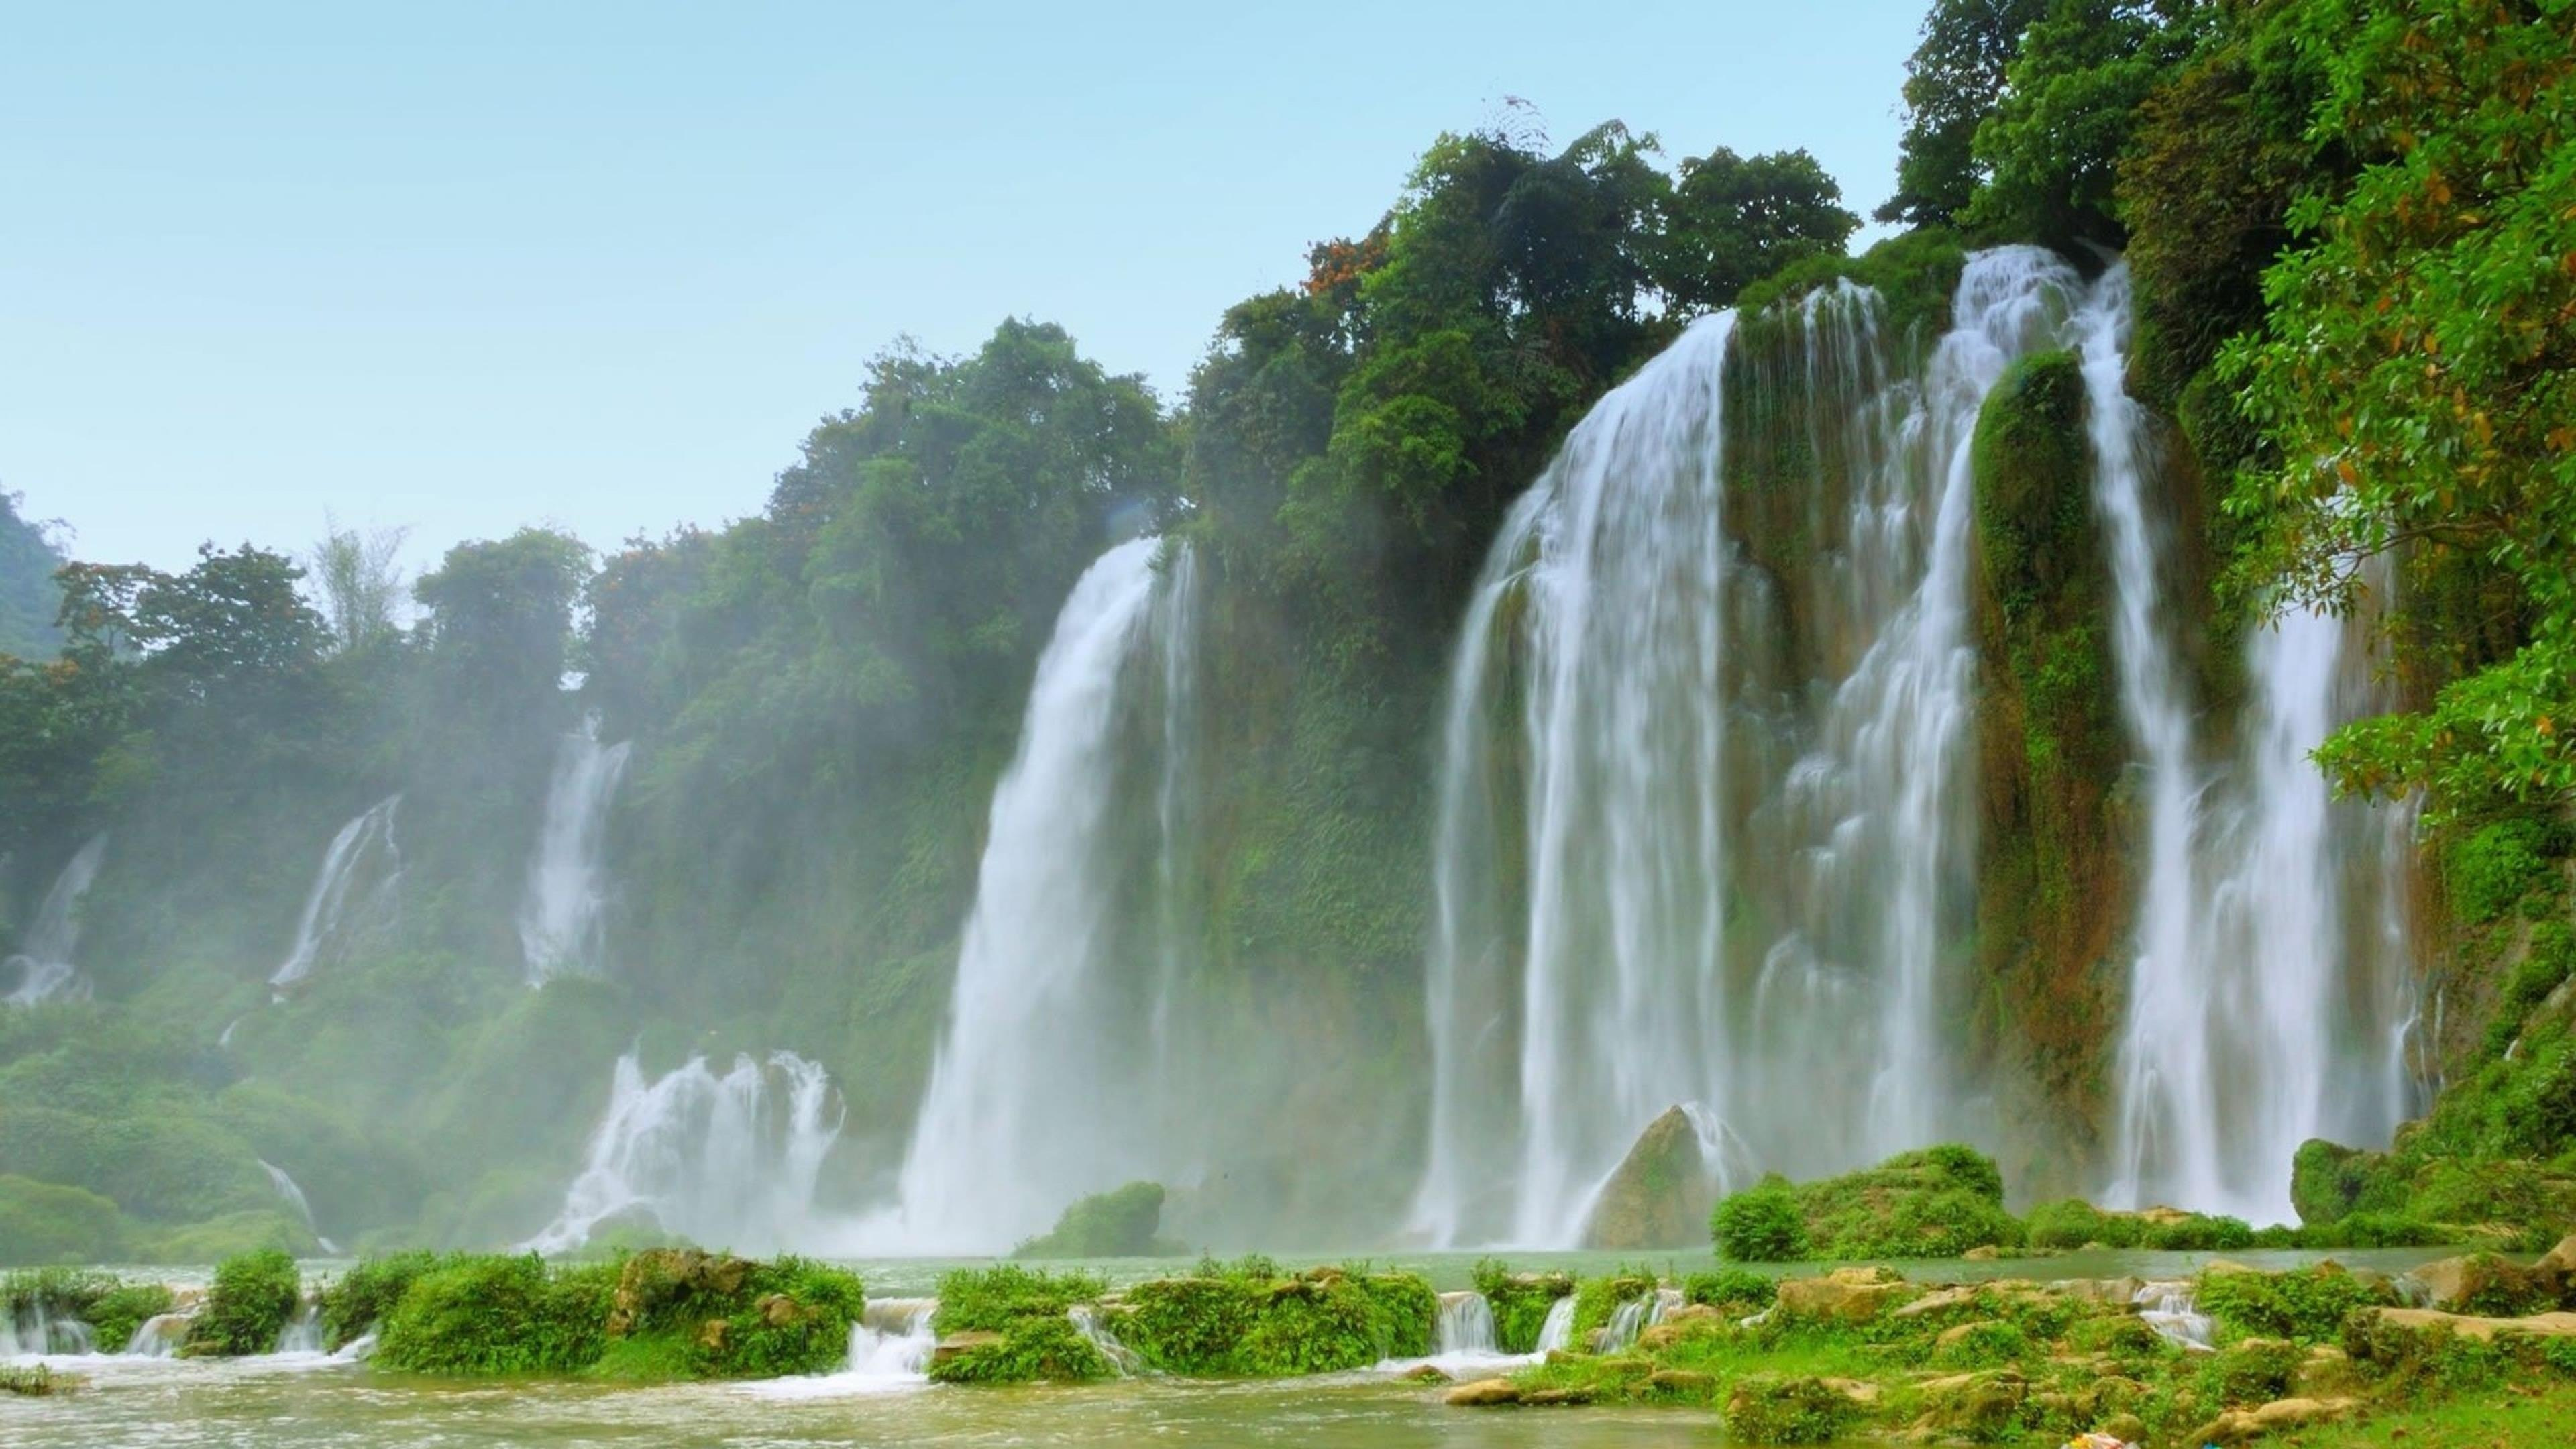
pixel 310 1401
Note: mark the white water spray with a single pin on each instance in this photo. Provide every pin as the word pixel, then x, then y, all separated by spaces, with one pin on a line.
pixel 43 963
pixel 726 1160
pixel 294 1196
pixel 561 915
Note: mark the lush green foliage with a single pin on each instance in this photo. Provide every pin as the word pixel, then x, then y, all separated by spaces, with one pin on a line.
pixel 112 1307
pixel 1952 82
pixel 1762 1224
pixel 990 1299
pixel 29 598
pixel 1936 1203
pixel 43 1222
pixel 499 1315
pixel 252 1299
pixel 1028 1350
pixel 1243 1320
pixel 1732 1290
pixel 365 1296
pixel 1116 1224
pixel 1025 1313
pixel 2306 1305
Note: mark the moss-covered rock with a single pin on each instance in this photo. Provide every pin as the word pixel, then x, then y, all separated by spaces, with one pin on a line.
pixel 1661 1193
pixel 1009 1324
pixel 1774 1409
pixel 1520 1302
pixel 2050 890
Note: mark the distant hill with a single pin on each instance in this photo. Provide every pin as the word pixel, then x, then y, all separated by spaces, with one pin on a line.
pixel 28 595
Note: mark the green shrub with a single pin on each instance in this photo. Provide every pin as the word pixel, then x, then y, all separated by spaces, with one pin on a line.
pixel 253 1297
pixel 2255 1372
pixel 362 1298
pixel 1761 1224
pixel 2074 1223
pixel 46 1222
pixel 115 1314
pixel 2306 1305
pixel 1596 1300
pixel 1117 1224
pixel 1732 1290
pixel 499 1315
pixel 992 1299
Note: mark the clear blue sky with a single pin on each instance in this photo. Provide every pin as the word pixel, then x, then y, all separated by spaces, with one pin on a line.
pixel 465 266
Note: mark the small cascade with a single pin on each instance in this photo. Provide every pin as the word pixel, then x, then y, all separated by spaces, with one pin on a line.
pixel 355 895
pixel 561 916
pixel 43 964
pixel 1556 1331
pixel 729 1159
pixel 2171 1310
pixel 303 1333
pixel 1087 1321
pixel 31 1331
pixel 1627 1321
pixel 356 1350
pixel 294 1197
pixel 160 1335
pixel 1051 1082
pixel 893 1339
pixel 1465 1326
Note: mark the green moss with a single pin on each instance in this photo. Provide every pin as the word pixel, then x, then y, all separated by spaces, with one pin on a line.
pixel 1116 1224
pixel 684 1313
pixel 44 1222
pixel 248 1307
pixel 2491 869
pixel 1766 1409
pixel 499 1315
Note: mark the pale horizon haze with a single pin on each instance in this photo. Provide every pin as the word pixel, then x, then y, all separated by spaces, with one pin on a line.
pixel 602 267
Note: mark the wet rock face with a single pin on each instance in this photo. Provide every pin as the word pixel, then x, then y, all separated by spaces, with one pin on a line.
pixel 1661 1194
pixel 1850 1295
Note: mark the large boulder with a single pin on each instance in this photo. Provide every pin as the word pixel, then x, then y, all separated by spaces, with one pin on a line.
pixel 2481 1284
pixel 1661 1194
pixel 2278 1416
pixel 1483 1394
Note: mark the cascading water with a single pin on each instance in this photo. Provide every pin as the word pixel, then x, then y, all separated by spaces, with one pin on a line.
pixel 357 892
pixel 43 964
pixel 729 1159
pixel 561 913
pixel 2267 1002
pixel 1556 1331
pixel 294 1196
pixel 1674 865
pixel 1465 1326
pixel 1045 1088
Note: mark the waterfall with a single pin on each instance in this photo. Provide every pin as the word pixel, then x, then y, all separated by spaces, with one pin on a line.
pixel 302 1333
pixel 2172 1310
pixel 890 1348
pixel 726 1160
pixel 1556 1331
pixel 28 1331
pixel 1045 1087
pixel 2268 1001
pixel 44 960
pixel 1702 823
pixel 1465 1326
pixel 560 914
pixel 1086 1321
pixel 295 1199
pixel 356 892
pixel 160 1335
